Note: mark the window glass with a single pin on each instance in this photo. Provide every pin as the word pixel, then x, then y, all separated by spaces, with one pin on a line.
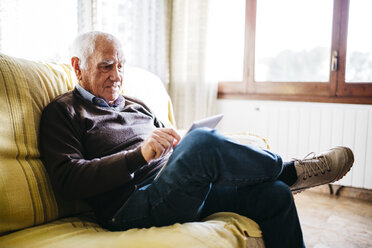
pixel 293 40
pixel 38 29
pixel 359 42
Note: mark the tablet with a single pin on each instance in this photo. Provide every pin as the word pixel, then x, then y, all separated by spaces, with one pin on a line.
pixel 210 122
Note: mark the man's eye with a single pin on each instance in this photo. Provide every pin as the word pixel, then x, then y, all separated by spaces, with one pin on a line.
pixel 106 67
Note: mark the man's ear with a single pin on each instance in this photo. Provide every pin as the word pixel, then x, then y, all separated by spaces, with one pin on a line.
pixel 76 67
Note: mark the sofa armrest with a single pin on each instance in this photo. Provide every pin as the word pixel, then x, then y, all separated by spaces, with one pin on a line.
pixel 246 138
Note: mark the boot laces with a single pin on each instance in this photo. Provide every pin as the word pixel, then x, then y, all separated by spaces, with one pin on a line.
pixel 313 164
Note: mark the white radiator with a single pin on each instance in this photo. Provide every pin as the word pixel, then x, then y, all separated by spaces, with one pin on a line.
pixel 294 129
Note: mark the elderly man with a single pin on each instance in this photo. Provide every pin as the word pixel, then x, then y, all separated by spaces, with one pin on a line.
pixel 105 148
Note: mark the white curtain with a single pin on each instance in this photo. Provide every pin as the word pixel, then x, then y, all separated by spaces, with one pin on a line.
pixel 142 26
pixel 86 15
pixel 193 87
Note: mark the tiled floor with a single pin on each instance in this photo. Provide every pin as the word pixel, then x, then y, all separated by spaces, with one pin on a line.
pixel 329 221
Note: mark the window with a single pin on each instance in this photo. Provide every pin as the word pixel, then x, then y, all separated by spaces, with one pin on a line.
pixel 304 50
pixel 38 29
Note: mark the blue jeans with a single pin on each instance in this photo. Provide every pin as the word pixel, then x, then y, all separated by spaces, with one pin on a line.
pixel 208 173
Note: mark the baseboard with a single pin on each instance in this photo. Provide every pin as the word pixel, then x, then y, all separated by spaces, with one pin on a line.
pixel 344 191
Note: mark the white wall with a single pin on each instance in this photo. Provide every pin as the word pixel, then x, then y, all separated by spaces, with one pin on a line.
pixel 296 128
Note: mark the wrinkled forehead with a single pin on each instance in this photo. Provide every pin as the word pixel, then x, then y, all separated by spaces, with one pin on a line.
pixel 108 50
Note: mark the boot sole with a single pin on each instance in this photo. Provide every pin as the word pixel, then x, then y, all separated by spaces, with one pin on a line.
pixel 345 170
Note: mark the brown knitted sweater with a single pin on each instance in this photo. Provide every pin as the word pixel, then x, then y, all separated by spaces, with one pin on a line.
pixel 93 153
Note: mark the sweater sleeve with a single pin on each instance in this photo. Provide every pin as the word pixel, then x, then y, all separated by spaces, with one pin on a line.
pixel 62 152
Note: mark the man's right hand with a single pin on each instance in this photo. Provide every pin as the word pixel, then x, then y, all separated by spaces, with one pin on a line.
pixel 159 143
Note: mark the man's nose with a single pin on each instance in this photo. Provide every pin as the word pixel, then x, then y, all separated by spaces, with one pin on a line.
pixel 115 74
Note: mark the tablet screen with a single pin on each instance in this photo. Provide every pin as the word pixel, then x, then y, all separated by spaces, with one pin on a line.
pixel 210 122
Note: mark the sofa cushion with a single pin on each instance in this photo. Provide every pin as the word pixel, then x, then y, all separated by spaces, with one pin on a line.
pixel 147 87
pixel 26 195
pixel 221 230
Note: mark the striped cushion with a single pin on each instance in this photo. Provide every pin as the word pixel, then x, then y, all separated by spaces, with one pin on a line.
pixel 26 196
pixel 221 230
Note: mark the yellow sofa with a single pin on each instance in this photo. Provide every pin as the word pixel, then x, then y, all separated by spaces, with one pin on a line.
pixel 33 215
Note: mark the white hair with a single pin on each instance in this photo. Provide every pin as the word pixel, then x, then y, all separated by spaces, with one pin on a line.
pixel 84 45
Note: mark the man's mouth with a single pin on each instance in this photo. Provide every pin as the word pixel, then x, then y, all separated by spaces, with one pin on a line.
pixel 113 86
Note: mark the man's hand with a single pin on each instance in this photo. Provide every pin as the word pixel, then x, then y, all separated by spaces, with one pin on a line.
pixel 159 143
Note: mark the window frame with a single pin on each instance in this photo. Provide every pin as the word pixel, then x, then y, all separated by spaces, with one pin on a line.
pixel 336 90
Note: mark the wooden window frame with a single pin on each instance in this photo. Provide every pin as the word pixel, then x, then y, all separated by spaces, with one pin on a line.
pixel 336 90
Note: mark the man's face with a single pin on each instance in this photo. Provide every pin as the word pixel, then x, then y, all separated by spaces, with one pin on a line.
pixel 103 75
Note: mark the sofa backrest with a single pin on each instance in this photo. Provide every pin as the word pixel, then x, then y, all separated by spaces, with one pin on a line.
pixel 26 87
pixel 148 87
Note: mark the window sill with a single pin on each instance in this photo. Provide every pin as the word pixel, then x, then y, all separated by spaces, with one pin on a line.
pixel 297 98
